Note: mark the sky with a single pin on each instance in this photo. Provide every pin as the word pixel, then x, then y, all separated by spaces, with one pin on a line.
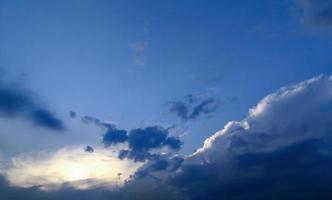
pixel 183 99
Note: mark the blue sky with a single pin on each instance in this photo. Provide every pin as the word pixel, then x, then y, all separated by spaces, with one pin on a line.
pixel 78 55
pixel 128 62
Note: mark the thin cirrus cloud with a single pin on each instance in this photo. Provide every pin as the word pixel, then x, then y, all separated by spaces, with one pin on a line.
pixel 139 50
pixel 17 102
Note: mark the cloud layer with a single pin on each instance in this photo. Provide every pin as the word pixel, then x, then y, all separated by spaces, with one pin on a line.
pixel 281 150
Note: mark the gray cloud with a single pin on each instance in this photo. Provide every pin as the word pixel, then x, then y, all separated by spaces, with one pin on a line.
pixel 141 141
pixel 281 150
pixel 192 107
pixel 18 102
pixel 89 120
pixel 89 149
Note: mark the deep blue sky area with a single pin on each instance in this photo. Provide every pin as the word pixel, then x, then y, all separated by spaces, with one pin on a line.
pixel 80 55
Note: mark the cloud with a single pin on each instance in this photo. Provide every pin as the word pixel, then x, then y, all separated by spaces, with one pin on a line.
pixel 139 49
pixel 45 118
pixel 72 114
pixel 292 114
pixel 89 120
pixel 281 150
pixel 49 170
pixel 141 141
pixel 114 136
pixel 16 102
pixel 192 107
pixel 89 149
pixel 316 12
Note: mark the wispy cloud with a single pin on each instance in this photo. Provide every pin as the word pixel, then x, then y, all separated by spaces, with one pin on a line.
pixel 19 102
pixel 139 52
pixel 192 107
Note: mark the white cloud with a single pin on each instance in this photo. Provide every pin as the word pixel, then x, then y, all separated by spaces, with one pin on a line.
pixel 70 165
pixel 292 114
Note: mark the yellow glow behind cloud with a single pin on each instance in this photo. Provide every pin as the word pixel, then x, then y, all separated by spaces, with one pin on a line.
pixel 81 169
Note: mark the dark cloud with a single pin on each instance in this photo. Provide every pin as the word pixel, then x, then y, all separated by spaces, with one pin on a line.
pixel 204 107
pixel 141 141
pixel 89 149
pixel 89 120
pixel 158 165
pixel 281 150
pixel 192 107
pixel 45 118
pixel 114 136
pixel 147 138
pixel 173 143
pixel 15 102
pixel 298 171
pixel 162 163
pixel 72 114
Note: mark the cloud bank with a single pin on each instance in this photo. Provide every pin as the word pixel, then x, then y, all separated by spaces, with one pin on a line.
pixel 281 150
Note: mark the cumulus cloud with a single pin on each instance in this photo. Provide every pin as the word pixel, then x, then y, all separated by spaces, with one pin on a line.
pixel 192 107
pixel 281 150
pixel 141 141
pixel 290 115
pixel 16 102
pixel 72 166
